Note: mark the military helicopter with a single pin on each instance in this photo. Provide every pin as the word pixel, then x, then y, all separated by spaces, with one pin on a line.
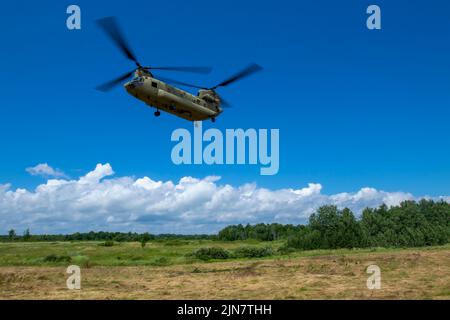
pixel 158 93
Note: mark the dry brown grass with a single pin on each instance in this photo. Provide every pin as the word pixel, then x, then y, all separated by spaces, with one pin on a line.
pixel 409 274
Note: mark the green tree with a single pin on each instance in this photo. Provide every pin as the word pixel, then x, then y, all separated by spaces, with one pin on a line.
pixel 146 237
pixel 27 235
pixel 12 234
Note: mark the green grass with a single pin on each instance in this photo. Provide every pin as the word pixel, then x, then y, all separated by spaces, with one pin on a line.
pixel 93 253
pixel 155 253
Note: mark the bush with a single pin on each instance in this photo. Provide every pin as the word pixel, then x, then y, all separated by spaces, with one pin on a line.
pixel 285 250
pixel 108 243
pixel 82 261
pixel 253 252
pixel 161 261
pixel 55 258
pixel 211 253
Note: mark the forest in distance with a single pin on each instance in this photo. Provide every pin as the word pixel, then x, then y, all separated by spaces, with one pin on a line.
pixel 410 224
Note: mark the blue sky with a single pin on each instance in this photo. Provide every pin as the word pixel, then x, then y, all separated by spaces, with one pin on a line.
pixel 355 108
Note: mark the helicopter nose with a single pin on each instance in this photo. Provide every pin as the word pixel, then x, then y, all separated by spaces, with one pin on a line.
pixel 129 86
pixel 131 89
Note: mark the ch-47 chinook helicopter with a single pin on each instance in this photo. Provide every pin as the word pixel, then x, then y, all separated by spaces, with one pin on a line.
pixel 159 94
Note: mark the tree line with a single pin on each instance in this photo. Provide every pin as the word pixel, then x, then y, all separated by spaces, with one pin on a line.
pixel 410 224
pixel 99 236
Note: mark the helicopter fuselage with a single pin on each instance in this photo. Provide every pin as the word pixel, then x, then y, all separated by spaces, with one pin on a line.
pixel 162 96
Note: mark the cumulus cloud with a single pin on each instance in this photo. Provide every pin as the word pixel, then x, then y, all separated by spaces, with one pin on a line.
pixel 98 201
pixel 43 169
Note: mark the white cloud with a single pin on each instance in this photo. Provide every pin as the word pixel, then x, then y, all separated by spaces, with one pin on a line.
pixel 43 169
pixel 96 201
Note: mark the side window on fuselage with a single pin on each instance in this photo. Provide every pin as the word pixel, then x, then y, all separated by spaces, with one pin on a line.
pixel 154 84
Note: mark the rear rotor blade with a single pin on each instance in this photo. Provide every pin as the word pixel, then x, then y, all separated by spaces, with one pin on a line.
pixel 185 84
pixel 111 84
pixel 240 75
pixel 203 70
pixel 111 27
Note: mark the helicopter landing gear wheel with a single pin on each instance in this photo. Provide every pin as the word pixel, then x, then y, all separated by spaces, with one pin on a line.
pixel 157 113
pixel 213 120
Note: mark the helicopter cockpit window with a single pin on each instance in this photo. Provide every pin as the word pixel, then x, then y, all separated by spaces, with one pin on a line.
pixel 154 84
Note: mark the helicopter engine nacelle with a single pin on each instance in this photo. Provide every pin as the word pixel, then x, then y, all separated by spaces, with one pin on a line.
pixel 209 96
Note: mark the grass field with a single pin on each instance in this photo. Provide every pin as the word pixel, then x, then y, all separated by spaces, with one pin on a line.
pixel 167 270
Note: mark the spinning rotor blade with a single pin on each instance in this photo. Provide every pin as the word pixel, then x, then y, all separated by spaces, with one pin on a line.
pixel 253 68
pixel 168 80
pixel 111 27
pixel 203 70
pixel 111 84
pixel 224 103
pixel 240 75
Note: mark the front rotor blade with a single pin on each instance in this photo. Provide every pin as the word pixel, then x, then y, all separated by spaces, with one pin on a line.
pixel 111 84
pixel 204 70
pixel 224 103
pixel 171 81
pixel 240 75
pixel 111 27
